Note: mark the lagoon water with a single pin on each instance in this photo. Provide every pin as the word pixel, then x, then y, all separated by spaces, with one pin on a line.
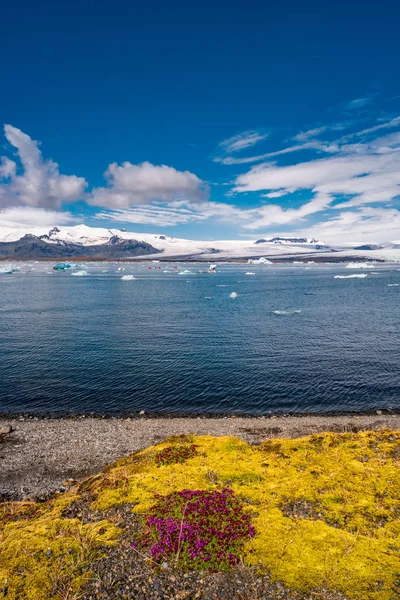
pixel 165 342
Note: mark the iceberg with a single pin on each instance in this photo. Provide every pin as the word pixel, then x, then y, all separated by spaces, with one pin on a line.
pixel 393 284
pixel 233 295
pixel 185 272
pixel 249 273
pixel 354 265
pixel 8 270
pixel 127 278
pixel 79 273
pixel 259 261
pixel 286 312
pixel 355 276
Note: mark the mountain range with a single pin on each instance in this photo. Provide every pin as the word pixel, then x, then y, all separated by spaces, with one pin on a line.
pixel 83 242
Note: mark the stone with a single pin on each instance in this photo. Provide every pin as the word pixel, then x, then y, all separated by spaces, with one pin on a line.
pixel 5 429
pixel 378 412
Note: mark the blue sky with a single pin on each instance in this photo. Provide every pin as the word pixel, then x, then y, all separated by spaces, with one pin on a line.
pixel 206 121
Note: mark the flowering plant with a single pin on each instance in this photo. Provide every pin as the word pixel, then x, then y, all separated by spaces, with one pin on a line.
pixel 198 529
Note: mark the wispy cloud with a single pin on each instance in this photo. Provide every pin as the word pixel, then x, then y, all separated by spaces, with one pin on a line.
pixel 242 141
pixel 359 173
pixel 311 145
pixel 366 225
pixel 358 103
pixel 311 134
pixel 390 124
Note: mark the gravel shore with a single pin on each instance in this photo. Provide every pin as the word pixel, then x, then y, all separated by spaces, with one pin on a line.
pixel 39 456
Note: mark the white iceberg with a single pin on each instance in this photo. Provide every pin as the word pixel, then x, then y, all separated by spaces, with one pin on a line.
pixel 286 312
pixel 127 278
pixel 79 274
pixel 7 270
pixel 185 272
pixel 249 273
pixel 259 261
pixel 355 265
pixel 393 284
pixel 355 276
pixel 233 295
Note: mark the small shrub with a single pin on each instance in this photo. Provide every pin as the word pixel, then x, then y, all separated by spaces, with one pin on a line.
pixel 176 454
pixel 197 529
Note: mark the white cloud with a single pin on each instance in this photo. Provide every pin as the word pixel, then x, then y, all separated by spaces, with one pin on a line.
pixel 310 134
pixel 40 183
pixel 358 103
pixel 130 185
pixel 273 214
pixel 178 213
pixel 391 124
pixel 311 145
pixel 34 217
pixel 365 173
pixel 242 141
pixel 366 225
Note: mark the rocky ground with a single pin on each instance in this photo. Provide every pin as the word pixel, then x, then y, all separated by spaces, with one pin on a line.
pixel 41 456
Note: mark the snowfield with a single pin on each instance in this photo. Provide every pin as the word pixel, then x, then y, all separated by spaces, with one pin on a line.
pixel 177 248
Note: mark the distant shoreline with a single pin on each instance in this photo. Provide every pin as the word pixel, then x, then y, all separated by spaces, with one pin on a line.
pixel 44 455
pixel 147 415
pixel 194 259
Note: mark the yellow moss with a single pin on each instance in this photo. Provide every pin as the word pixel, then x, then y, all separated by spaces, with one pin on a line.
pixel 349 542
pixel 326 510
pixel 47 556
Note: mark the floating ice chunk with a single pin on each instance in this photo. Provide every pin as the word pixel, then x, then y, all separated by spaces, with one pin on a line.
pixel 393 284
pixel 207 297
pixel 185 272
pixel 286 312
pixel 259 261
pixel 105 271
pixel 221 285
pixel 79 274
pixel 233 295
pixel 249 273
pixel 355 276
pixel 127 278
pixel 355 265
pixel 62 266
pixel 7 270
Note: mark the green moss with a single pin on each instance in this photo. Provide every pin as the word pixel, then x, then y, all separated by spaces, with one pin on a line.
pixel 325 509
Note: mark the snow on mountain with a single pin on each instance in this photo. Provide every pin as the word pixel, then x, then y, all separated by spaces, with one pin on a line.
pixel 284 247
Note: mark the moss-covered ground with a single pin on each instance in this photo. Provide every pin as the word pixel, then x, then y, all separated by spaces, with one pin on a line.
pixel 314 513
